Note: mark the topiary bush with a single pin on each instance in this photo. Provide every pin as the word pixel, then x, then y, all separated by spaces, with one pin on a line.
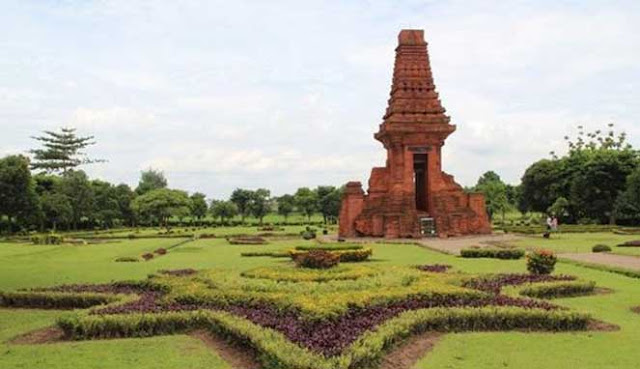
pixel 541 262
pixel 317 259
pixel 601 248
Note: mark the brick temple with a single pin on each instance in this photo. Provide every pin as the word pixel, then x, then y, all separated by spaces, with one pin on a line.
pixel 411 196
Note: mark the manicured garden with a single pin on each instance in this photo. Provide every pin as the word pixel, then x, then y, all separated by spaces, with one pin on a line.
pixel 346 316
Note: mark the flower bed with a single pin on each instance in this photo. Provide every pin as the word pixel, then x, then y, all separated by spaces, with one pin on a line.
pixel 297 318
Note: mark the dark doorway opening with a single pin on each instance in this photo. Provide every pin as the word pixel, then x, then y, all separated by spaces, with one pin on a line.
pixel 420 180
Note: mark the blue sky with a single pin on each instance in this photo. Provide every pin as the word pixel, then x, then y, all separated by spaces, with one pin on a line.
pixel 283 94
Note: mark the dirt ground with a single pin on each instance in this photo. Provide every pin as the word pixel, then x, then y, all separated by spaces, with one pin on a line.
pixel 408 353
pixel 40 336
pixel 238 358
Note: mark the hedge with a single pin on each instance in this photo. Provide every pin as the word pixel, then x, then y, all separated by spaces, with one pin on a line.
pixel 330 247
pixel 55 300
pixel 559 289
pixel 275 351
pixel 273 254
pixel 493 253
pixel 346 256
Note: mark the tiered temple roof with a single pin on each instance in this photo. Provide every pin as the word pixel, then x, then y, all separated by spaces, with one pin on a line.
pixel 413 96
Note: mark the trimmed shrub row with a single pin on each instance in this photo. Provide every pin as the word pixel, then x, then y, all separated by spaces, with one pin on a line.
pixel 345 256
pixel 247 240
pixel 634 243
pixel 127 259
pixel 276 351
pixel 55 300
pixel 559 289
pixel 273 254
pixel 494 253
pixel 330 247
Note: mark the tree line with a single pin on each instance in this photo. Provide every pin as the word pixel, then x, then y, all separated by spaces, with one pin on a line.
pixel 596 181
pixel 61 196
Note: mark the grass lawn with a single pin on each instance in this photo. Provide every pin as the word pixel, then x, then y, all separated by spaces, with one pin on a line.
pixel 23 266
pixel 581 242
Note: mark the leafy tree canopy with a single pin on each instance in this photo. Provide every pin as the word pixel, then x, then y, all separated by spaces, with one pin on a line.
pixel 161 204
pixel 199 205
pixel 150 180
pixel 223 209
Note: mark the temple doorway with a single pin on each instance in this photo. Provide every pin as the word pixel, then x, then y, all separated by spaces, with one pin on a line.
pixel 420 181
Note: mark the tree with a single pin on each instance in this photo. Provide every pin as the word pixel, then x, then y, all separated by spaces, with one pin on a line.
pixel 286 203
pixel 198 205
pixel 107 208
pixel 151 180
pixel 124 196
pixel 329 199
pixel 590 176
pixel 306 201
pixel 17 188
pixel 542 183
pixel 495 196
pixel 161 204
pixel 595 188
pixel 56 208
pixel 627 206
pixel 61 151
pixel 242 199
pixel 487 177
pixel 560 208
pixel 495 193
pixel 223 210
pixel 76 186
pixel 259 204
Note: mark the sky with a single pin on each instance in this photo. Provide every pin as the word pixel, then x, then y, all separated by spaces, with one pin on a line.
pixel 284 94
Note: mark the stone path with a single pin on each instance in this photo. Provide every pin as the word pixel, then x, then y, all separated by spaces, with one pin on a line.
pixel 613 260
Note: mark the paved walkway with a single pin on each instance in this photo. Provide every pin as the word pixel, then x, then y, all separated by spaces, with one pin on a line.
pixel 613 260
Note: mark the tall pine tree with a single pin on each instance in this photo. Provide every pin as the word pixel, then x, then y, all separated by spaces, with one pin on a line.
pixel 61 151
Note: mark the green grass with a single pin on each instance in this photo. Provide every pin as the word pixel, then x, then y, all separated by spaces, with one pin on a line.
pixel 580 242
pixel 23 266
